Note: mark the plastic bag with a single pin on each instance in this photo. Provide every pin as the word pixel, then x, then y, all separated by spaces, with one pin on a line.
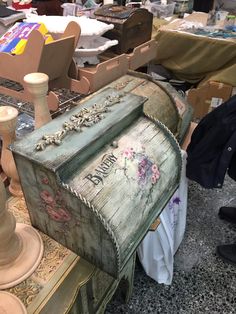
pixel 156 252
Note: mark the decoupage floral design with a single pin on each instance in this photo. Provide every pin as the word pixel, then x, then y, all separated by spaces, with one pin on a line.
pixel 174 207
pixel 147 171
pixel 53 203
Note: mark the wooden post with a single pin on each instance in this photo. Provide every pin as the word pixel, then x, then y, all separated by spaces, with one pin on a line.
pixel 10 244
pixel 21 247
pixel 8 120
pixel 37 85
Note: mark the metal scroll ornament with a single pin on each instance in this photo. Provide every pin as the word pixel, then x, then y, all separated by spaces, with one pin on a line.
pixel 84 118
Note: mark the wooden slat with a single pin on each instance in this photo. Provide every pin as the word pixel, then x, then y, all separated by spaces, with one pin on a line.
pixel 155 224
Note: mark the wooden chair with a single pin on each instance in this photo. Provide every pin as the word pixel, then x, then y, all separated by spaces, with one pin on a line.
pixel 54 59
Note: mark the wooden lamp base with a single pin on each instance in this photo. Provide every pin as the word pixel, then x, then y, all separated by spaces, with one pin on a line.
pixel 8 121
pixel 21 247
pixel 10 304
pixel 28 260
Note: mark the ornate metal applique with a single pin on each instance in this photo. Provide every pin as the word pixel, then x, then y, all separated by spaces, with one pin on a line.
pixel 122 85
pixel 84 118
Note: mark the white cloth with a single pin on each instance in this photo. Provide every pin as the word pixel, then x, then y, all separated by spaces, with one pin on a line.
pixel 156 252
pixel 91 43
pixel 58 24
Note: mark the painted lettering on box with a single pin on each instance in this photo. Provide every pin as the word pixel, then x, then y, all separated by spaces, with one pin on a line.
pixel 103 169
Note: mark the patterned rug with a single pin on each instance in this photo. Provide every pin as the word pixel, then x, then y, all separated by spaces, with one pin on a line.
pixel 55 262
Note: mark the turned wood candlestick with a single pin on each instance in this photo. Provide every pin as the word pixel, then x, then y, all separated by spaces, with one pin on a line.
pixel 8 120
pixel 37 85
pixel 10 304
pixel 10 243
pixel 21 247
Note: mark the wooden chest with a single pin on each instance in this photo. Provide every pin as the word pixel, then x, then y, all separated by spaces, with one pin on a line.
pixel 132 26
pixel 95 178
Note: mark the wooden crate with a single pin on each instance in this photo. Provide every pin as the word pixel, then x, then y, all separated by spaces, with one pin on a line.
pixel 105 72
pixel 138 57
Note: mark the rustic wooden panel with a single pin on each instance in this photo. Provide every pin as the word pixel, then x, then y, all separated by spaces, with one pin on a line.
pixel 100 190
pixel 164 103
pixel 110 180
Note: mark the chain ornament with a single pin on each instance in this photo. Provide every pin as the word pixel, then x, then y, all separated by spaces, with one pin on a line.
pixel 86 117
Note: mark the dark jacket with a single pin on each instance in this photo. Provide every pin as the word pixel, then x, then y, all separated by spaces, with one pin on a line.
pixel 212 151
pixel 203 5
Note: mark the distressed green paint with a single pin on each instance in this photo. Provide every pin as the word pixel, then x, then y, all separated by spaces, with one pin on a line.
pixel 164 102
pixel 100 190
pixel 53 157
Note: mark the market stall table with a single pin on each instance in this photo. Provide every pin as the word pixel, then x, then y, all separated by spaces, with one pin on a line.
pixel 193 58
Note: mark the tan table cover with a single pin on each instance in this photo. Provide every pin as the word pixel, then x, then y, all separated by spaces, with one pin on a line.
pixel 193 58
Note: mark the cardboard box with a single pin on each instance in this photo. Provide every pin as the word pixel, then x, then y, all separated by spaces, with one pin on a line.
pixel 228 5
pixel 207 97
pixel 233 91
pixel 175 24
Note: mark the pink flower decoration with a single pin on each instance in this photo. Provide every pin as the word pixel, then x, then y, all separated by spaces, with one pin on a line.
pixel 155 168
pixel 154 180
pixel 49 208
pixel 157 175
pixel 60 215
pixel 142 171
pixel 143 162
pixel 45 180
pixel 58 197
pixel 46 197
pixel 129 153
pixel 55 215
pixel 64 214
